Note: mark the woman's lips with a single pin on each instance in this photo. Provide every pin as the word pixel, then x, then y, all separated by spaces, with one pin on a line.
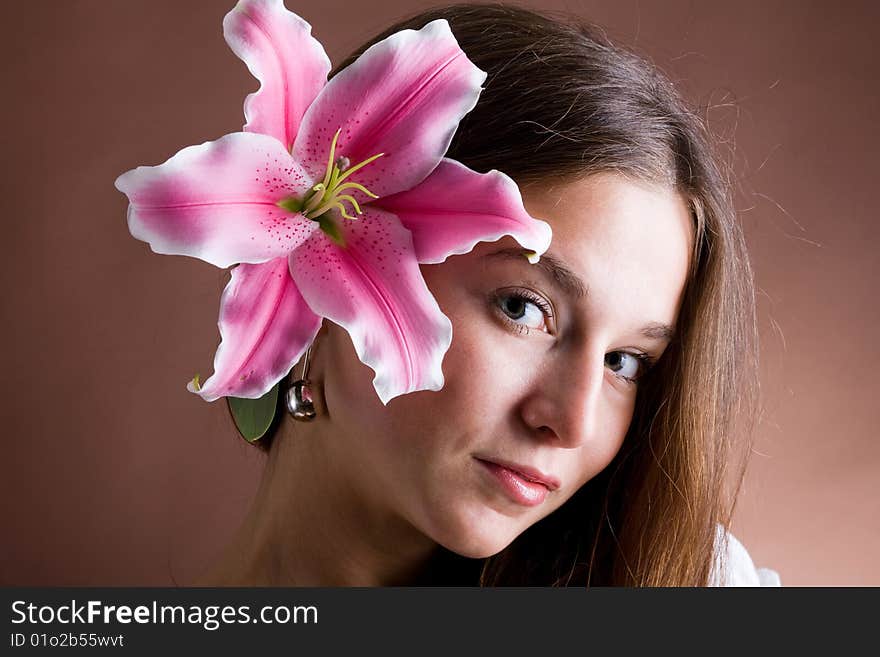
pixel 524 488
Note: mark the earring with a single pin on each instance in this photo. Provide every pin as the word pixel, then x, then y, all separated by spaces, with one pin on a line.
pixel 299 395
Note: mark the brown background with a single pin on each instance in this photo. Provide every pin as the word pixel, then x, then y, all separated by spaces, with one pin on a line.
pixel 113 474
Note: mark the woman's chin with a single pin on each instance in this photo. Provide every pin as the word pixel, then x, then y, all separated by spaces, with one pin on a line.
pixel 476 550
pixel 478 540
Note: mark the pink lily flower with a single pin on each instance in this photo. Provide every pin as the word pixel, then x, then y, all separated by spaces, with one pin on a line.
pixel 329 200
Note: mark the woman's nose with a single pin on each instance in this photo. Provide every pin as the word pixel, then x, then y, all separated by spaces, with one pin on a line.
pixel 564 406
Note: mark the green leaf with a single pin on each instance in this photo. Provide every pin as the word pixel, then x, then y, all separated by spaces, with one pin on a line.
pixel 253 417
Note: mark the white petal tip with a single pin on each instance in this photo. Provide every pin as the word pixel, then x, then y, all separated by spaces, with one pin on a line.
pixel 197 388
pixel 386 393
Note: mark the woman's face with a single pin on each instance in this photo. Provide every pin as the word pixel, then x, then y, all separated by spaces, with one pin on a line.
pixel 541 377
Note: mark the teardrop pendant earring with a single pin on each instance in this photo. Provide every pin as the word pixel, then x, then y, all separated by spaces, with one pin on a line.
pixel 299 395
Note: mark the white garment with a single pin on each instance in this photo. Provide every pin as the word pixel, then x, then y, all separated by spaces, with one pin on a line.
pixel 734 567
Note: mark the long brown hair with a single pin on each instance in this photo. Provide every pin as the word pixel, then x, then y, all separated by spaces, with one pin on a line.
pixel 562 103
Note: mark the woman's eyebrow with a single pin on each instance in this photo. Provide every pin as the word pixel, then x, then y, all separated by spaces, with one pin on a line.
pixel 553 267
pixel 658 331
pixel 575 286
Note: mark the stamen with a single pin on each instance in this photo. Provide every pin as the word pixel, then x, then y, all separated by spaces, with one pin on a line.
pixel 330 159
pixel 327 194
pixel 335 201
pixel 352 200
pixel 334 177
pixel 343 212
pixel 360 165
pixel 360 188
pixel 315 199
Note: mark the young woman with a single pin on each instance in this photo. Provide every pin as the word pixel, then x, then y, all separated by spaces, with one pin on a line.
pixel 592 405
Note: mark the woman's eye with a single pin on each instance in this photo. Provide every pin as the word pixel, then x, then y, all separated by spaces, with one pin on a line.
pixel 526 312
pixel 626 365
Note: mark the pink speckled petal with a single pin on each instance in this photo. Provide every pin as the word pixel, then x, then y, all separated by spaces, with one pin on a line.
pixel 217 201
pixel 403 97
pixel 455 207
pixel 280 51
pixel 265 326
pixel 374 289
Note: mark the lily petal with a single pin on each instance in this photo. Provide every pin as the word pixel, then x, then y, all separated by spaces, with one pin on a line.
pixel 280 51
pixel 403 97
pixel 374 289
pixel 265 327
pixel 218 201
pixel 456 207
